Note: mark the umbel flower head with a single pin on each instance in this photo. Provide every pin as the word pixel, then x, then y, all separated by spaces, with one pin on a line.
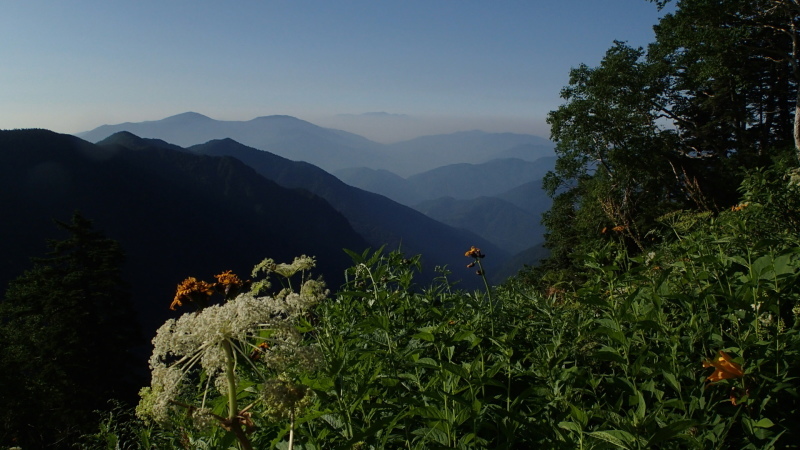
pixel 724 367
pixel 211 338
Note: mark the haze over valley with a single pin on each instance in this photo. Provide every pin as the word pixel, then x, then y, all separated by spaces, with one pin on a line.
pixel 457 179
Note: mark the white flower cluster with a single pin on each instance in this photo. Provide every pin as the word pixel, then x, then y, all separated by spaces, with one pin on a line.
pixel 284 400
pixel 299 264
pixel 268 266
pixel 242 323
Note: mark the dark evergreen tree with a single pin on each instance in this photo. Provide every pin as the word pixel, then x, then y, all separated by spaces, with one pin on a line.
pixel 66 327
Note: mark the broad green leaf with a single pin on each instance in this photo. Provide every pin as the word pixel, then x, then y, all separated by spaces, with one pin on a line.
pixel 578 415
pixel 428 363
pixel 455 369
pixel 607 353
pixel 670 431
pixel 764 423
pixel 618 438
pixel 424 336
pixel 570 426
pixel 672 381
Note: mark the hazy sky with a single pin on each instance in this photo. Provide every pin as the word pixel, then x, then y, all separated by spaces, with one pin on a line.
pixel 71 66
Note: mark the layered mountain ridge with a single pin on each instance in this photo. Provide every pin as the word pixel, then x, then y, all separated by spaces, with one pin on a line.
pixel 175 213
pixel 331 149
pixel 459 179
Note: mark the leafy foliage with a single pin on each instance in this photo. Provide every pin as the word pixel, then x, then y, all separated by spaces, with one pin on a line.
pixel 672 127
pixel 627 359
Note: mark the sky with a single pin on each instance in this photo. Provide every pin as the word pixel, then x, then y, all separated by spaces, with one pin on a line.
pixel 432 66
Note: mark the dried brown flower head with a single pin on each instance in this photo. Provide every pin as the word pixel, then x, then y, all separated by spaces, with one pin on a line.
pixel 192 290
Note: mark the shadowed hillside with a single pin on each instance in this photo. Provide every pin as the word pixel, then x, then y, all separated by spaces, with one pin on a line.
pixel 377 218
pixel 175 214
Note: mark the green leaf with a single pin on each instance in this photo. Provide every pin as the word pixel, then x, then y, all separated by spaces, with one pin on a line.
pixel 570 426
pixel 618 438
pixel 670 431
pixel 428 363
pixel 672 381
pixel 578 415
pixel 455 369
pixel 764 423
pixel 641 407
pixel 424 336
pixel 615 335
pixel 607 353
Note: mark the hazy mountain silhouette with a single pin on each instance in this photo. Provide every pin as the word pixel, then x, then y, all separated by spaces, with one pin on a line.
pixel 378 219
pixel 470 196
pixel 176 214
pixel 528 152
pixel 460 181
pixel 466 181
pixel 331 149
pixel 383 182
pixel 283 135
pixel 529 196
pixel 474 147
pixel 504 224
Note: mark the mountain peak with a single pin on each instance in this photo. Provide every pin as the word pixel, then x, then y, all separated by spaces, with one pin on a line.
pixel 277 117
pixel 187 116
pixel 134 142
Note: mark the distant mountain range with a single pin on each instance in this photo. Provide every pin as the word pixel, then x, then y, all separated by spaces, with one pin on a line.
pixel 378 219
pixel 331 149
pixel 501 200
pixel 472 147
pixel 283 135
pixel 466 180
pixel 460 181
pixel 176 214
pixel 508 226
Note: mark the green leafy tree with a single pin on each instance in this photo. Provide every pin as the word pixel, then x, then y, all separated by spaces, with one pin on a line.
pixel 677 126
pixel 66 327
pixel 614 168
pixel 740 66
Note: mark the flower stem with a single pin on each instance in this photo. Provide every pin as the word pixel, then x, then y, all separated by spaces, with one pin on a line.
pixel 233 408
pixel 488 292
pixel 230 376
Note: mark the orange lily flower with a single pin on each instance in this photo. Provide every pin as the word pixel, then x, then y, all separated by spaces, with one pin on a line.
pixel 725 368
pixel 474 252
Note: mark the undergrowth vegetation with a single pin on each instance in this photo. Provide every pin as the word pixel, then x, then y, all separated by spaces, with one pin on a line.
pixel 693 344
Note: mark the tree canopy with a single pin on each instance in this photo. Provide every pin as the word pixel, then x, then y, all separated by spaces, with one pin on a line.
pixel 672 127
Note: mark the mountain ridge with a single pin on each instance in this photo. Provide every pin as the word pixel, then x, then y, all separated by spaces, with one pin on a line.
pixel 378 219
pixel 176 214
pixel 328 148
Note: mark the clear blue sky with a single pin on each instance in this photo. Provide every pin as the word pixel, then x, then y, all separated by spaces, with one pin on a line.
pixel 70 66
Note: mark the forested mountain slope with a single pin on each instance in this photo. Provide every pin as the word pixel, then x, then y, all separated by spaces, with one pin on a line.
pixel 175 214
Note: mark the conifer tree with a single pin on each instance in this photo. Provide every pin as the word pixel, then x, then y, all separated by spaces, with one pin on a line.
pixel 65 329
